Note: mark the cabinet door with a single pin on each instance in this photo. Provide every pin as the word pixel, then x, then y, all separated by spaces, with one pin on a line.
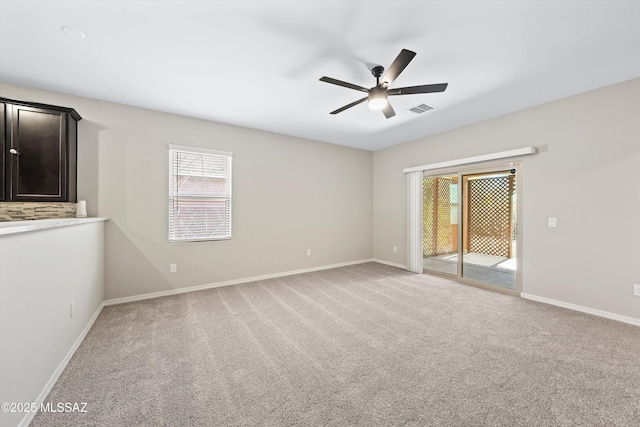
pixel 38 172
pixel 3 152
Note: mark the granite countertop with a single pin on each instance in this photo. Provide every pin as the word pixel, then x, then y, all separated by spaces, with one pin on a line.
pixel 13 227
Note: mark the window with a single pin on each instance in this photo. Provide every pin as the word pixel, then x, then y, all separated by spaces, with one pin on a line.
pixel 199 194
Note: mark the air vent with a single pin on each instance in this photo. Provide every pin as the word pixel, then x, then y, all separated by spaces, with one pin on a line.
pixel 422 108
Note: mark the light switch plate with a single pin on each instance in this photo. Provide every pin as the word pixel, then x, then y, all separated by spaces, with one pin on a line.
pixel 552 222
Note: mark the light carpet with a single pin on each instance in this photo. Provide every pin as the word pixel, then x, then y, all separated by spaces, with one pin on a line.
pixel 364 345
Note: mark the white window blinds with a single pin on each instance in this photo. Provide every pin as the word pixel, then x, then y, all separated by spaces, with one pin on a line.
pixel 199 194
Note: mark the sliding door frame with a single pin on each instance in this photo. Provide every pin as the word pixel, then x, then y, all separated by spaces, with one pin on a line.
pixel 472 169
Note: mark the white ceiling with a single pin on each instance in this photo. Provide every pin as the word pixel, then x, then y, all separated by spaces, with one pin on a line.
pixel 257 63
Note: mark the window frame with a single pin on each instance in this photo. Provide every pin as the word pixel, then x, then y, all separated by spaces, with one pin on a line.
pixel 172 197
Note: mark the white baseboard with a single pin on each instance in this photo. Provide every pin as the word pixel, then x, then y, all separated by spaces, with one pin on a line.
pixel 152 295
pixel 61 367
pixel 391 264
pixel 575 307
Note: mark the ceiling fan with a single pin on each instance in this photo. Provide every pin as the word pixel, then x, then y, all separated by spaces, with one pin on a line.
pixel 377 95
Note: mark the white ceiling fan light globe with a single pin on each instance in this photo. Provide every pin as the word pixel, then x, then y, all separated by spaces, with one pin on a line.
pixel 378 100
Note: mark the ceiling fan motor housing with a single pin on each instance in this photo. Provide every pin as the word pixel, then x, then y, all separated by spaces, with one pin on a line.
pixel 377 71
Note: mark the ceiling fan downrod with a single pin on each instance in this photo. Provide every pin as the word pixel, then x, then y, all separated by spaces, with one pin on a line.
pixel 377 73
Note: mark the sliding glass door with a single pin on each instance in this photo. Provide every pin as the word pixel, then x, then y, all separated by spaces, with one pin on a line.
pixel 440 224
pixel 488 232
pixel 470 227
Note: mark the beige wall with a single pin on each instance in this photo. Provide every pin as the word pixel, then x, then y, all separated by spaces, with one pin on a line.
pixel 41 273
pixel 290 195
pixel 587 175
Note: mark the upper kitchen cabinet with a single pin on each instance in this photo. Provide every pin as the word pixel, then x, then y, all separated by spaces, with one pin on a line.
pixel 39 152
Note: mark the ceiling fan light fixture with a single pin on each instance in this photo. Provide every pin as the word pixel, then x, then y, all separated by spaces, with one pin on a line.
pixel 378 99
pixel 377 96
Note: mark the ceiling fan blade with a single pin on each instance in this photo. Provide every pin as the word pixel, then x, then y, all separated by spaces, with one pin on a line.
pixel 440 87
pixel 399 64
pixel 353 104
pixel 388 111
pixel 343 84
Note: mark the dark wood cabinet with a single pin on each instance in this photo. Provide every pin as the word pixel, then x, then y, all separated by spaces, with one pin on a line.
pixel 39 149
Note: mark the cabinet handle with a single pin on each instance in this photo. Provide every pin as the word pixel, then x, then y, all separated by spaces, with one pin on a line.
pixel 14 151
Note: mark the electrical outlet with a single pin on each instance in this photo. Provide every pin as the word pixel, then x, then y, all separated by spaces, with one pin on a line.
pixel 395 249
pixel 173 268
pixel 308 252
pixel 552 222
pixel 636 289
pixel 72 309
